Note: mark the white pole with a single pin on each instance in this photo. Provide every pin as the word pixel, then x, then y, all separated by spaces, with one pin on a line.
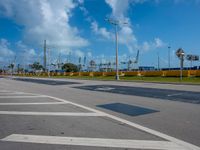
pixel 117 71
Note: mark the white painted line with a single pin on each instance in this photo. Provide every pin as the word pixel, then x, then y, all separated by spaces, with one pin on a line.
pixel 96 142
pixel 49 113
pixel 4 91
pixel 14 93
pixel 105 89
pixel 34 96
pixel 176 94
pixel 184 144
pixel 45 103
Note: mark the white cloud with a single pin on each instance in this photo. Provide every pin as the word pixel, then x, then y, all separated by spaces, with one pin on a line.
pixel 100 31
pixel 6 54
pixel 25 53
pixel 157 43
pixel 126 32
pixel 45 19
pixel 119 8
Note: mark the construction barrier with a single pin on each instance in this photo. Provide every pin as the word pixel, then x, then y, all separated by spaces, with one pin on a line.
pixel 168 73
pixel 192 73
pixel 132 73
pixel 151 73
pixel 67 73
pixel 197 73
pixel 109 73
pixel 97 74
pixel 76 74
pixel 85 74
pixel 175 73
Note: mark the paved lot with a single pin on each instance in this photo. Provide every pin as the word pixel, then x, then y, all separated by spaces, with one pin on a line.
pixel 64 117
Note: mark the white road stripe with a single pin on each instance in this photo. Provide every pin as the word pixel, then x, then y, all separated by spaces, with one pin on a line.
pixel 105 89
pixel 49 113
pixel 96 142
pixel 45 103
pixel 176 94
pixel 29 96
pixel 184 144
pixel 14 93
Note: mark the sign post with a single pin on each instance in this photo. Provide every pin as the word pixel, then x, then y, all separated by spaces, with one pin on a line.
pixel 192 58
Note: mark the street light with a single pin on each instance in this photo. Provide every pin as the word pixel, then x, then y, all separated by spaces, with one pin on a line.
pixel 116 23
pixel 180 54
pixel 169 57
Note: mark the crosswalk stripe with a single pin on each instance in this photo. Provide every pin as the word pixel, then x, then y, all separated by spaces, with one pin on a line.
pixel 96 142
pixel 49 113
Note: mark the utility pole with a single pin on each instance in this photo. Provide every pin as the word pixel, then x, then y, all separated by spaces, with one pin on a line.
pixel 116 23
pixel 45 57
pixel 169 57
pixel 49 62
pixel 158 61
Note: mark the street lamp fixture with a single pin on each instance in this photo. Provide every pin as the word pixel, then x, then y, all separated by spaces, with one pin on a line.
pixel 116 23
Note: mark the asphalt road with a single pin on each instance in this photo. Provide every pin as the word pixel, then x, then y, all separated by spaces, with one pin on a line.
pixel 78 114
pixel 164 94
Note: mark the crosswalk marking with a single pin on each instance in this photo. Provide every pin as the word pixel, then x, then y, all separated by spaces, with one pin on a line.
pixel 96 142
pixel 45 103
pixel 23 96
pixel 49 113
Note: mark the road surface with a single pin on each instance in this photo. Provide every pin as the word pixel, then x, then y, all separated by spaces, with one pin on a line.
pixel 79 114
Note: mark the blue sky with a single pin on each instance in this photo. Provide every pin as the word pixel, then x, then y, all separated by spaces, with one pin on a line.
pixel 78 28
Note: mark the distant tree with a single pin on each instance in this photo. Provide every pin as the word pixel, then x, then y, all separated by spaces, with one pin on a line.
pixel 69 67
pixel 36 66
pixel 12 67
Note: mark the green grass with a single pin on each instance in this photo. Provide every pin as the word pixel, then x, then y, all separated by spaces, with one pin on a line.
pixel 187 80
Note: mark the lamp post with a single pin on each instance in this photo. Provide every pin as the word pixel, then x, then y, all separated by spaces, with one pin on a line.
pixel 180 54
pixel 116 23
pixel 169 57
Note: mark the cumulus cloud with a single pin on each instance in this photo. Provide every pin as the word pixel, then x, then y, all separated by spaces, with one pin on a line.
pixel 6 54
pixel 25 53
pixel 126 32
pixel 45 19
pixel 100 31
pixel 157 43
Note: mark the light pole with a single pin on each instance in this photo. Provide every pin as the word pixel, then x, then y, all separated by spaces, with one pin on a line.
pixel 116 23
pixel 180 54
pixel 169 57
pixel 158 61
